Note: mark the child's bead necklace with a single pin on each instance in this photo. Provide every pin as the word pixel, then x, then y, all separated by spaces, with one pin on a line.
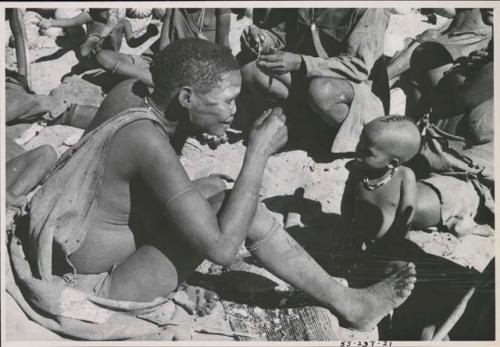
pixel 366 181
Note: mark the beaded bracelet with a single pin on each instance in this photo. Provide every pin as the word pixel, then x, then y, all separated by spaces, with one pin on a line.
pixel 95 35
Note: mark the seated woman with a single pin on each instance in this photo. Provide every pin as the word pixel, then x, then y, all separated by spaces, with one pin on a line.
pixel 322 58
pixel 129 212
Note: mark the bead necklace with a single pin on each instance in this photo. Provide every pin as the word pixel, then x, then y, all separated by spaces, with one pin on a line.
pixel 153 107
pixel 389 175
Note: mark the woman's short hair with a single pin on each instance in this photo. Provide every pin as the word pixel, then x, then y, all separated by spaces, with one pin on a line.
pixel 191 62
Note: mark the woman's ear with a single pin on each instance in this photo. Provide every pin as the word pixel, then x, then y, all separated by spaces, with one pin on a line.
pixel 394 163
pixel 186 97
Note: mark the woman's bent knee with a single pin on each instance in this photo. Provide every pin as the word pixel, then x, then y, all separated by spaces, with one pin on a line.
pixel 45 153
pixel 325 91
pixel 330 98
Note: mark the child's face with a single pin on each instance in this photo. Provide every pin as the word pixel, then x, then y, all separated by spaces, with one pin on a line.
pixel 102 16
pixel 374 155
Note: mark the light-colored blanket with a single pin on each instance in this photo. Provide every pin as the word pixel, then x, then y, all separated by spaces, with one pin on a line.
pixel 61 211
pixel 364 108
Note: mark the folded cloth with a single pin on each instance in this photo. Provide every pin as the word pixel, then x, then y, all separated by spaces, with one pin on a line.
pixel 459 198
pixel 461 44
pixel 364 108
pixel 61 211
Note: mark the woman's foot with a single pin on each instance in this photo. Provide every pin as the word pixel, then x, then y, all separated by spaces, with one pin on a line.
pixel 366 307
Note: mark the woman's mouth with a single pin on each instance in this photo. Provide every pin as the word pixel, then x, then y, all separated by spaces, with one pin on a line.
pixel 228 121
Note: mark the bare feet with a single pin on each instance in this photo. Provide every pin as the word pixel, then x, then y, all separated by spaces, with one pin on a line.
pixel 364 308
pixel 202 301
pixel 467 226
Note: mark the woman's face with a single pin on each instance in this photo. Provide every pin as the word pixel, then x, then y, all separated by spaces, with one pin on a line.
pixel 213 112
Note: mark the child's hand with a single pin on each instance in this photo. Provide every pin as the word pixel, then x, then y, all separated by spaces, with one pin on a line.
pixel 45 23
pixel 91 46
pixel 152 30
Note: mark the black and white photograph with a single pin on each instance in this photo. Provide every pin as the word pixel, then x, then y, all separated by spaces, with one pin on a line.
pixel 273 171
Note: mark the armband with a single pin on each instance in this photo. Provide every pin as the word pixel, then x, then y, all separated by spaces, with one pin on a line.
pixel 176 196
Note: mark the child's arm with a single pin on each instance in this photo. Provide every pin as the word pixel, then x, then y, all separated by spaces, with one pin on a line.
pixel 408 200
pixel 127 30
pixel 110 25
pixel 81 19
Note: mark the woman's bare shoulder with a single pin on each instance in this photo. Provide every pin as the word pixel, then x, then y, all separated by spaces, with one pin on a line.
pixel 127 94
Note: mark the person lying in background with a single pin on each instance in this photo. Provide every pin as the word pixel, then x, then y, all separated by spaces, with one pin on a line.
pixel 106 28
pixel 210 24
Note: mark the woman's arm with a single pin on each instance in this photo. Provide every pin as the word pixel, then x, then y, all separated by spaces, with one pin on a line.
pixel 223 21
pixel 165 29
pixel 216 237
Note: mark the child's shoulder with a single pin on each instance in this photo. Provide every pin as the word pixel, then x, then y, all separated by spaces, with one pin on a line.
pixel 405 173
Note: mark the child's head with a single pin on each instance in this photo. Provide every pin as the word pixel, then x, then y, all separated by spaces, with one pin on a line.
pixel 387 142
pixel 100 14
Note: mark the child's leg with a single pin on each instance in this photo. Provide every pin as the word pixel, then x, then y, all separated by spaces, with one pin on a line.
pixel 428 214
pixel 467 226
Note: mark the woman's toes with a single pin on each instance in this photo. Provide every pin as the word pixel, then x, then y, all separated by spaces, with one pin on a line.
pixel 404 292
pixel 411 279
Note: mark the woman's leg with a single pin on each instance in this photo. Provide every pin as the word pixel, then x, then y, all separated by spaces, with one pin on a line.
pixel 26 171
pixel 158 267
pixel 358 308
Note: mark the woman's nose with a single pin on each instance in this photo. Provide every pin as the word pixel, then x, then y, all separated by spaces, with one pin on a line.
pixel 233 108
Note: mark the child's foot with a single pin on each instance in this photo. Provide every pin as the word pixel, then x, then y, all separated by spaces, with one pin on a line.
pixel 369 305
pixel 467 226
pixel 202 301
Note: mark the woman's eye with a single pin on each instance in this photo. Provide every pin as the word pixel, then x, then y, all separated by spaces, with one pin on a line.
pixel 230 102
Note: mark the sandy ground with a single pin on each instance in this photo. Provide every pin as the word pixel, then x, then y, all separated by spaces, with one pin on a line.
pixel 323 182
